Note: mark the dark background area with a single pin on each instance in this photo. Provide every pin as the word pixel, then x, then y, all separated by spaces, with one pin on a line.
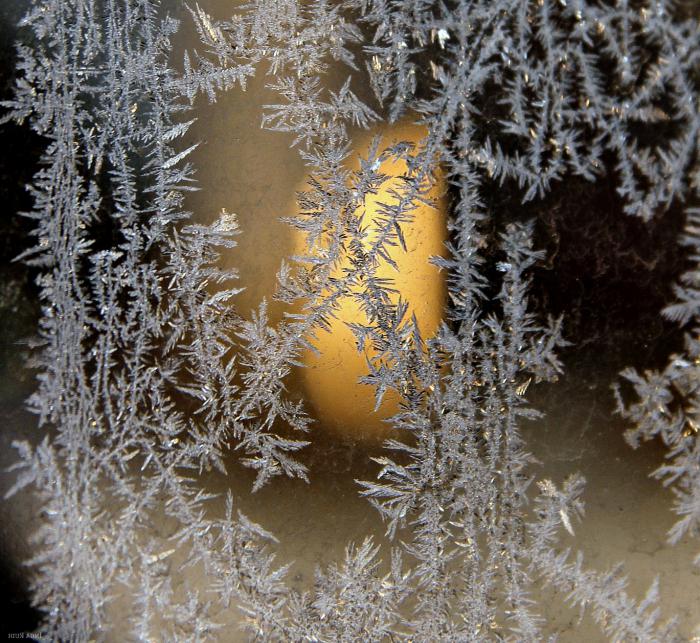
pixel 20 150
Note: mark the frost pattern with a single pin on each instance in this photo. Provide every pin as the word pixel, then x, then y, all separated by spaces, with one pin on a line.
pixel 667 403
pixel 139 331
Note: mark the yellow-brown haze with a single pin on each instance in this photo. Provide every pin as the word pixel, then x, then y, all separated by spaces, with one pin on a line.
pixel 330 379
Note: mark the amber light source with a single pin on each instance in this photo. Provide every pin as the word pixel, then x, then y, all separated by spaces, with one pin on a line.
pixel 330 379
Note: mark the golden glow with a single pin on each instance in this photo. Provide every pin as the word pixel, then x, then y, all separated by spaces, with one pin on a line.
pixel 339 402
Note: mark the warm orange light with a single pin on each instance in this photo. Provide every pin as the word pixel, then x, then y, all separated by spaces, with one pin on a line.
pixel 330 380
